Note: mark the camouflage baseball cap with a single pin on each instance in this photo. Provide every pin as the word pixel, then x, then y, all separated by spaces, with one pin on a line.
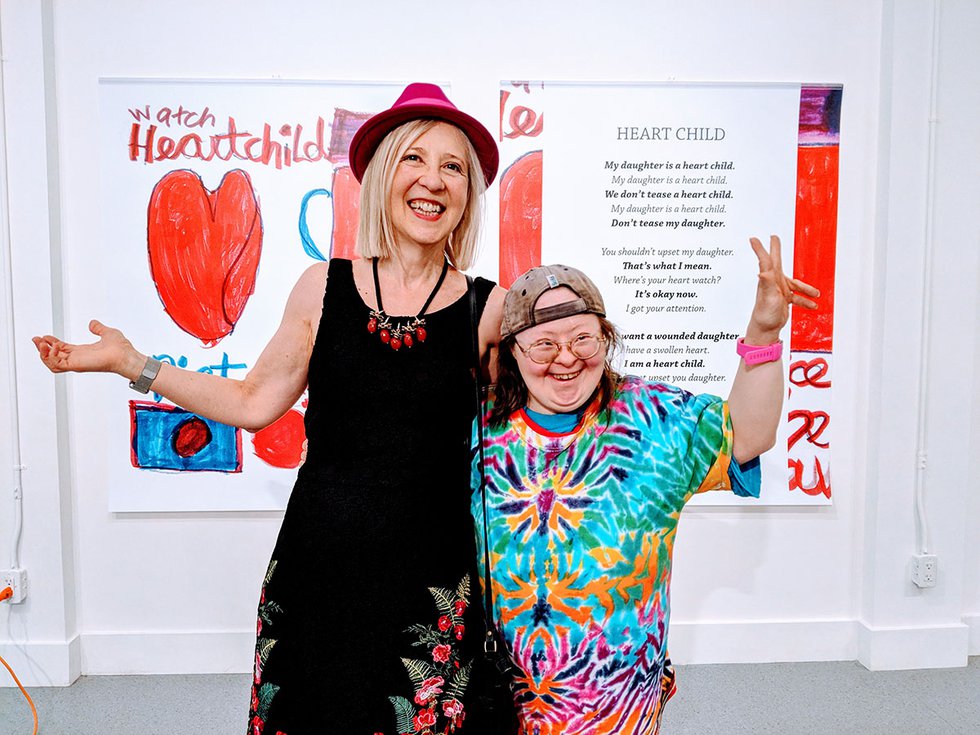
pixel 519 311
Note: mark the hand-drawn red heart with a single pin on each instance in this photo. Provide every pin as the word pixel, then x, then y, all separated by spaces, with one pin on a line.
pixel 204 250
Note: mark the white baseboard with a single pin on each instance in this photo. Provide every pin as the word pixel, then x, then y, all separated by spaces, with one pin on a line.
pixel 42 663
pixel 973 623
pixel 168 652
pixel 231 651
pixel 764 641
pixel 925 647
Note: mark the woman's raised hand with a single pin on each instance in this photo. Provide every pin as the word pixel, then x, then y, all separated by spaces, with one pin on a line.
pixel 112 353
pixel 774 294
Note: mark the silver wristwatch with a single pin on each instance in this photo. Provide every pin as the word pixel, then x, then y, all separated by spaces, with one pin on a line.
pixel 145 380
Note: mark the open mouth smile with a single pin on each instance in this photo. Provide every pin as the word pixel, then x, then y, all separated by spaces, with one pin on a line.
pixel 426 208
pixel 561 377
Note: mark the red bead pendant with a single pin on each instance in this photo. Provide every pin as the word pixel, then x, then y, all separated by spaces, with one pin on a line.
pixel 407 339
pixel 420 333
pixel 372 325
pixel 385 336
pixel 396 344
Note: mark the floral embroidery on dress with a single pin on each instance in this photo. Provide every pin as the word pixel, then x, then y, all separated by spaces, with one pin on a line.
pixel 263 692
pixel 440 678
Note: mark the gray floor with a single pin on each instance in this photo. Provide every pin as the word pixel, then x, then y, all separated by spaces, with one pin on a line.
pixel 788 699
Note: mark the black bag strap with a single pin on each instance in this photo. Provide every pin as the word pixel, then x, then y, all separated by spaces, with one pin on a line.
pixel 490 640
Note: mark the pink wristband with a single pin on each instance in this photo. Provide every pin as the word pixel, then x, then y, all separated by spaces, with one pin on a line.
pixel 754 355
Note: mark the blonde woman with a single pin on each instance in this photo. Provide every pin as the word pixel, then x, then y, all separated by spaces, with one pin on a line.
pixel 367 617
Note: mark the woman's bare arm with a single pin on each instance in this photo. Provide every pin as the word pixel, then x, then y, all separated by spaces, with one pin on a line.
pixel 269 389
pixel 493 314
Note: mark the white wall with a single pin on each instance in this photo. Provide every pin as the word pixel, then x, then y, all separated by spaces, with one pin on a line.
pixel 44 644
pixel 956 316
pixel 960 146
pixel 177 592
pixel 971 596
pixel 923 302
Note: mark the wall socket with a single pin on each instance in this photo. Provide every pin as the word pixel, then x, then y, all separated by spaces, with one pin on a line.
pixel 925 570
pixel 16 579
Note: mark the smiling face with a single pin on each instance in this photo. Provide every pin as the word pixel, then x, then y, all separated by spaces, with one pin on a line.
pixel 429 188
pixel 567 383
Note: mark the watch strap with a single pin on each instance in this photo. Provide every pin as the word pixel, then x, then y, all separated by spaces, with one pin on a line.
pixel 147 376
pixel 753 355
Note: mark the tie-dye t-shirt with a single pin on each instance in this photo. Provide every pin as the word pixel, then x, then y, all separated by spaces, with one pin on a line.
pixel 581 531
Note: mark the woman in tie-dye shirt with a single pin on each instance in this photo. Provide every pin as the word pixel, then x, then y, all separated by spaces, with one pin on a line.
pixel 586 475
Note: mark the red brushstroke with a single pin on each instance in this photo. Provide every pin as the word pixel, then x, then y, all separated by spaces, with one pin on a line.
pixel 804 373
pixel 820 485
pixel 346 198
pixel 814 424
pixel 204 249
pixel 816 245
pixel 522 121
pixel 281 443
pixel 520 217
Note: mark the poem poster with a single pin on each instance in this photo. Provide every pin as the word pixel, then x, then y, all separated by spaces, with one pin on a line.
pixel 654 190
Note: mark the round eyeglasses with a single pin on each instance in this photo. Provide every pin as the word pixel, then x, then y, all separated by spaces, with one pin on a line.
pixel 545 351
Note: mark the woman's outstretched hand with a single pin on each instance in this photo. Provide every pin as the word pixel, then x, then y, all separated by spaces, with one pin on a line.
pixel 112 353
pixel 774 294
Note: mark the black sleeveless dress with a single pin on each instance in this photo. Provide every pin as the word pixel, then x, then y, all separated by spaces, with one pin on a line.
pixel 371 610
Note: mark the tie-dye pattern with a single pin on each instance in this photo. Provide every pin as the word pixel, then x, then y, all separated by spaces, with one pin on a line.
pixel 582 530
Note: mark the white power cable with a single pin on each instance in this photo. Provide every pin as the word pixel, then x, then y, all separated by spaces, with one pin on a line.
pixel 7 283
pixel 923 542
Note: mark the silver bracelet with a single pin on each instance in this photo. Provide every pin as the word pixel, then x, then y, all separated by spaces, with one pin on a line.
pixel 145 380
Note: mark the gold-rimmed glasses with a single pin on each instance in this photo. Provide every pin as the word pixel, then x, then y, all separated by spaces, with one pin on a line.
pixel 546 351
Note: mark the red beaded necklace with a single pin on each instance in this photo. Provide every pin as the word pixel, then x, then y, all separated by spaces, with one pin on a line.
pixel 398 331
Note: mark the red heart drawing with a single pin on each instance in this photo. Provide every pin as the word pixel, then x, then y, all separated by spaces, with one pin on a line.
pixel 204 250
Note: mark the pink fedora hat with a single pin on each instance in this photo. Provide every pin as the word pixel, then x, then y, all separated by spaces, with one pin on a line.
pixel 420 100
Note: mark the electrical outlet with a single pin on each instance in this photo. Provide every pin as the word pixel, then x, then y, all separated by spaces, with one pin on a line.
pixel 925 570
pixel 16 579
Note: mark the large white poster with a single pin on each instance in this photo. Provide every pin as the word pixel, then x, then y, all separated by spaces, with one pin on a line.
pixel 654 190
pixel 216 196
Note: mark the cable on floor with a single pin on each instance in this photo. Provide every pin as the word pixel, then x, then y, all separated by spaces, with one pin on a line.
pixel 5 594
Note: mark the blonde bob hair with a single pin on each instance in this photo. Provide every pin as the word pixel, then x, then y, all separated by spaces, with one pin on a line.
pixel 375 237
